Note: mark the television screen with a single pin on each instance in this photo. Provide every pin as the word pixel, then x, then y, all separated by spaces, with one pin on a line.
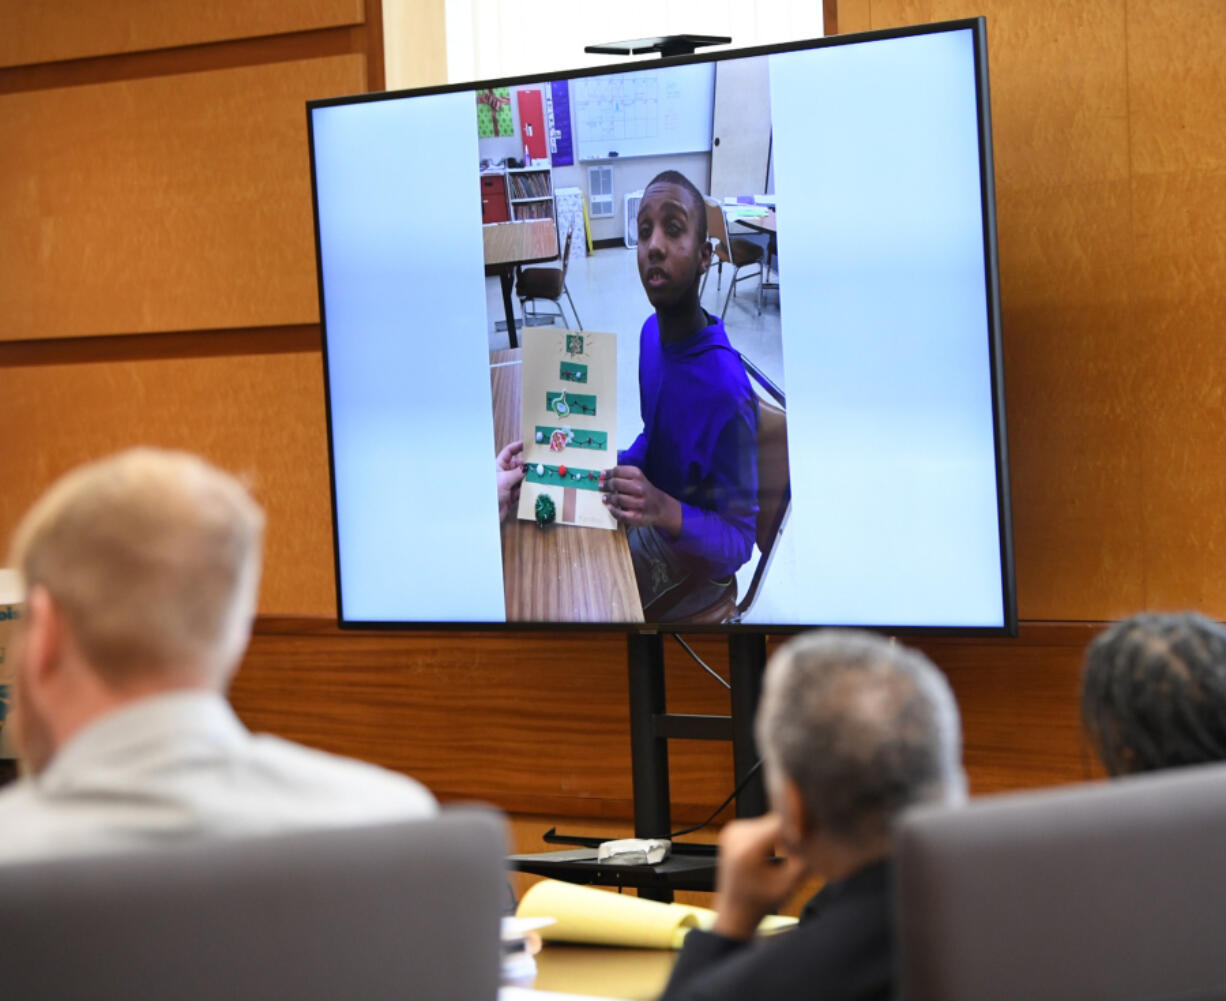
pixel 711 342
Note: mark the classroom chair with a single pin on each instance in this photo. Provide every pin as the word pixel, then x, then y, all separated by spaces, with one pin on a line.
pixel 548 283
pixel 737 252
pixel 774 497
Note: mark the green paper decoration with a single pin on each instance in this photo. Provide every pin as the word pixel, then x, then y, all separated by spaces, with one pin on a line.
pixel 572 371
pixel 566 403
pixel 596 440
pixel 574 344
pixel 546 511
pixel 563 475
pixel 491 123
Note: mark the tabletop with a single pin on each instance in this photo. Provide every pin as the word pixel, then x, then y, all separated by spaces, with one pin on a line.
pixel 565 573
pixel 526 242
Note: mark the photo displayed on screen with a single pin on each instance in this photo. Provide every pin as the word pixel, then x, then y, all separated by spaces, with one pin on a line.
pixel 708 344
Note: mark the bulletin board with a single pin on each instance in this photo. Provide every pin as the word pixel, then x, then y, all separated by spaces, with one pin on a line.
pixel 649 113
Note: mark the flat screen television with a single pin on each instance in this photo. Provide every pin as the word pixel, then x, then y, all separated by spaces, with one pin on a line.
pixel 760 392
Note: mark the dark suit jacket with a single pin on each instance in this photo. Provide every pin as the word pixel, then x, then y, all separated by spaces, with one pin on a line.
pixel 842 950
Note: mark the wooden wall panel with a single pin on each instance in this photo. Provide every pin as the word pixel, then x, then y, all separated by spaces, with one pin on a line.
pixel 538 722
pixel 256 409
pixel 414 65
pixel 533 722
pixel 1177 90
pixel 52 30
pixel 1074 347
pixel 159 204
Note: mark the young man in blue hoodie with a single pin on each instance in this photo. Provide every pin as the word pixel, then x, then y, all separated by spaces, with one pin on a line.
pixel 687 488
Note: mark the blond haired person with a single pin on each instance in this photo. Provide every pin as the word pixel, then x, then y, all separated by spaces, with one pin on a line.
pixel 141 573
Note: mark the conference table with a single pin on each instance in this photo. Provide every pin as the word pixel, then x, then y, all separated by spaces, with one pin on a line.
pixel 562 573
pixel 509 245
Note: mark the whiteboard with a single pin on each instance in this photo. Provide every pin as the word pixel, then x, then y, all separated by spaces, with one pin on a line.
pixel 648 113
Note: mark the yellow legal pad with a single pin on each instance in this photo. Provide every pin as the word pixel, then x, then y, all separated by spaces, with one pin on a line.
pixel 598 917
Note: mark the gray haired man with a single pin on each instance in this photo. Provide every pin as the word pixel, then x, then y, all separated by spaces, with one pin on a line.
pixel 853 730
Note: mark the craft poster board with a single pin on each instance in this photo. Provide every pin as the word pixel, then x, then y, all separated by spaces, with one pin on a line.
pixel 661 111
pixel 569 422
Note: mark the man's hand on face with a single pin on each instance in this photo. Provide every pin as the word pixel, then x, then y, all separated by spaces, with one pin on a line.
pixel 750 883
pixel 632 500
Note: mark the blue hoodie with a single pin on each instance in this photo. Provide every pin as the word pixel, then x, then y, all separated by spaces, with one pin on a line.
pixel 700 442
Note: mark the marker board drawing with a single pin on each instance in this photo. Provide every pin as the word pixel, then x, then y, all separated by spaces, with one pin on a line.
pixel 656 112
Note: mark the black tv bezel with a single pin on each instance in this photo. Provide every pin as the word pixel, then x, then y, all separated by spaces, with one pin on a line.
pixel 978 29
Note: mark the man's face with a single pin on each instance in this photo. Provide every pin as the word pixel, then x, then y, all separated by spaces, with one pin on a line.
pixel 671 255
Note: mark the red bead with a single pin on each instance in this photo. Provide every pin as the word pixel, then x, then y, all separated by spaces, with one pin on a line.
pixel 561 470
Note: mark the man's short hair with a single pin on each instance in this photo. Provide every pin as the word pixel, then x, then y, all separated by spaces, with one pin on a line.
pixel 153 559
pixel 1153 692
pixel 696 197
pixel 863 727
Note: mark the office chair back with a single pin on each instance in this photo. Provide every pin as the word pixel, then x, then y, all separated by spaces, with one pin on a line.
pixel 1104 892
pixel 398 911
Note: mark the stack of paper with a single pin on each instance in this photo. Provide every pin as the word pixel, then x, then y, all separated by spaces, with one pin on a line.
pixel 598 917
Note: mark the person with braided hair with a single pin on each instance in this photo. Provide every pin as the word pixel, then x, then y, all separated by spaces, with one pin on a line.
pixel 1153 693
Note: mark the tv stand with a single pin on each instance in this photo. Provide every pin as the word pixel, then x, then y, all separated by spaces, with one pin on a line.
pixel 691 866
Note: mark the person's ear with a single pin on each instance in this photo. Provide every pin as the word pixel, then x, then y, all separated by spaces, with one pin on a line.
pixel 704 256
pixel 796 828
pixel 42 639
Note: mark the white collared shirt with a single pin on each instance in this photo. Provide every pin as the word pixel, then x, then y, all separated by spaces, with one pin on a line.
pixel 176 767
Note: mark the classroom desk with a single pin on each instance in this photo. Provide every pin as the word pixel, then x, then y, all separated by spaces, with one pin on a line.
pixel 510 244
pixel 565 573
pixel 763 224
pixel 633 974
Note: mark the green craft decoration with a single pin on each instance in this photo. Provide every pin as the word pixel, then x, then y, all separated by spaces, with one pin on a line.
pixel 564 404
pixel 596 440
pixel 572 371
pixel 574 344
pixel 577 479
pixel 546 511
pixel 494 113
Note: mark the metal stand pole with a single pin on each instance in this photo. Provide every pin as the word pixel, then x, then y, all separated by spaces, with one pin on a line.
pixel 747 658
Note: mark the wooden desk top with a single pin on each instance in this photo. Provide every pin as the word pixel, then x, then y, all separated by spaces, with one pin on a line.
pixel 565 573
pixel 527 242
pixel 634 974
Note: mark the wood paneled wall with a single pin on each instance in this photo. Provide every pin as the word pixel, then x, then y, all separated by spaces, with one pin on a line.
pixel 538 722
pixel 157 266
pixel 1110 175
pixel 157 285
